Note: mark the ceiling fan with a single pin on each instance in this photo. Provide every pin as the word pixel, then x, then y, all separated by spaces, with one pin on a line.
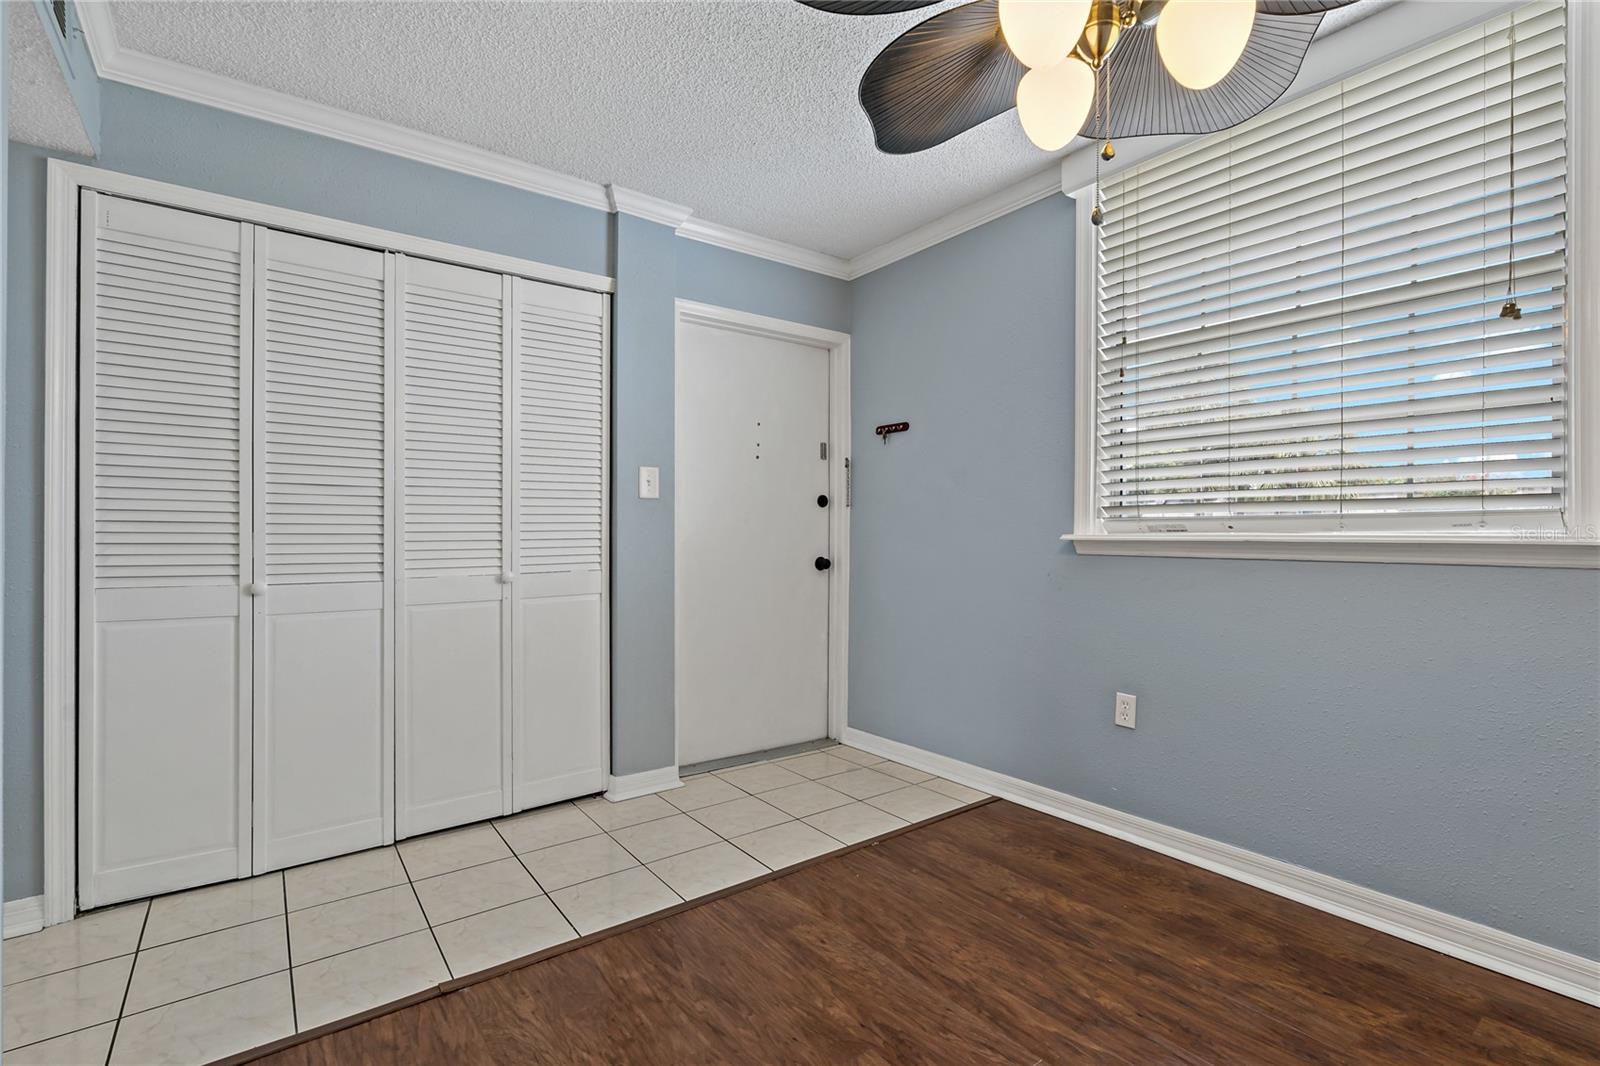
pixel 1099 68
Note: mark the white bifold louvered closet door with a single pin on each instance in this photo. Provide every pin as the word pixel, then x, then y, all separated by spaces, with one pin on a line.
pixel 165 624
pixel 343 550
pixel 322 549
pixel 561 623
pixel 455 681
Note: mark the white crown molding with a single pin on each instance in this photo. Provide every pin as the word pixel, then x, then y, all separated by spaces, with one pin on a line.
pixel 1012 198
pixel 176 79
pixel 116 63
pixel 1482 945
pixel 766 248
pixel 642 205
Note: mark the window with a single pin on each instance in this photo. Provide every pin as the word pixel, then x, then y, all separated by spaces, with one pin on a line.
pixel 1298 330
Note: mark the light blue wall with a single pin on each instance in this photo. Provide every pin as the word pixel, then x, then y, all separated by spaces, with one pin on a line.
pixel 1429 731
pixel 162 137
pixel 170 140
pixel 711 275
pixel 653 267
pixel 642 725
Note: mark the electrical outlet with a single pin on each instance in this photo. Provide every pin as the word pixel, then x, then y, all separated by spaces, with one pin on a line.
pixel 649 483
pixel 1126 705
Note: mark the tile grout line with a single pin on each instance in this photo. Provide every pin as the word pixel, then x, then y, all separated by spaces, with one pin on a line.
pixel 207 992
pixel 643 866
pixel 69 969
pixel 424 911
pixel 69 1032
pixel 288 951
pixel 132 966
pixel 735 845
pixel 536 882
pixel 218 929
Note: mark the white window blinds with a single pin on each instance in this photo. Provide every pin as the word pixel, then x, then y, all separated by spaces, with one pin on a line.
pixel 1299 320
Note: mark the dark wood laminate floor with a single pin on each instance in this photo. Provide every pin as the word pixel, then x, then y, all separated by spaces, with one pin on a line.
pixel 999 935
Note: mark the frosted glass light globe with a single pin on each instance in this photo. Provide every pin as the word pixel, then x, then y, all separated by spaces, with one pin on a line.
pixel 1040 33
pixel 1052 102
pixel 1201 40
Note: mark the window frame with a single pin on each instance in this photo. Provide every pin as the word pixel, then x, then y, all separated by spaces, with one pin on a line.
pixel 1543 544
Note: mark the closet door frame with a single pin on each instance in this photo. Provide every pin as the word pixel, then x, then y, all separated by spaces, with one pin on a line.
pixel 65 181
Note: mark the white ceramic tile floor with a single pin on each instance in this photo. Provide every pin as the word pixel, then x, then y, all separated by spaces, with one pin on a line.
pixel 461 893
pixel 786 844
pixel 649 841
pixel 702 790
pixel 200 975
pixel 708 869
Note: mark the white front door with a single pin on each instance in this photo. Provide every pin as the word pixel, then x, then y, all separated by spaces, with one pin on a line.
pixel 751 518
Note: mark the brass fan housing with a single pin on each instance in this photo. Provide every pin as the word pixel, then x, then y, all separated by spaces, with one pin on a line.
pixel 1107 20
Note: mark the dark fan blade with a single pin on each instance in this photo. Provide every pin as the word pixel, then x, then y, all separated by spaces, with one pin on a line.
pixel 940 78
pixel 1144 99
pixel 1298 7
pixel 867 7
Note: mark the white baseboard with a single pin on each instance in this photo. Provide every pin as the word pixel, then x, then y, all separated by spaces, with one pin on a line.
pixel 23 916
pixel 1482 945
pixel 632 786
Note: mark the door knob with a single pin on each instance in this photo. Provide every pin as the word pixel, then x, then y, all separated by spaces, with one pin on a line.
pixel 823 562
pixel 507 577
pixel 822 501
pixel 256 588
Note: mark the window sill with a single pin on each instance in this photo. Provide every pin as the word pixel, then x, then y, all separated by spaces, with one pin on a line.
pixel 1459 550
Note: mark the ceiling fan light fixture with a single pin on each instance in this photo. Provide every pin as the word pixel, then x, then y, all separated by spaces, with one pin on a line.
pixel 1054 101
pixel 1201 40
pixel 1040 33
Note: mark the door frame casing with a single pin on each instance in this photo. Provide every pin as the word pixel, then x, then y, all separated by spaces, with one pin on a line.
pixel 64 183
pixel 837 345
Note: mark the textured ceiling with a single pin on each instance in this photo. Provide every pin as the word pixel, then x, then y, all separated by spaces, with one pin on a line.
pixel 744 111
pixel 41 110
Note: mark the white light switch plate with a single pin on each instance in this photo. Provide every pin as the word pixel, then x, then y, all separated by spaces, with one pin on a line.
pixel 1126 705
pixel 649 483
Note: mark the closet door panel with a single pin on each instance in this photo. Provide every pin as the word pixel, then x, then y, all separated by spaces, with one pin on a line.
pixel 164 697
pixel 453 713
pixel 323 698
pixel 561 713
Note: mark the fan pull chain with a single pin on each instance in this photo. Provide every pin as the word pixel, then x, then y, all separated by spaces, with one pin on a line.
pixel 1108 151
pixel 1097 214
pixel 1511 309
